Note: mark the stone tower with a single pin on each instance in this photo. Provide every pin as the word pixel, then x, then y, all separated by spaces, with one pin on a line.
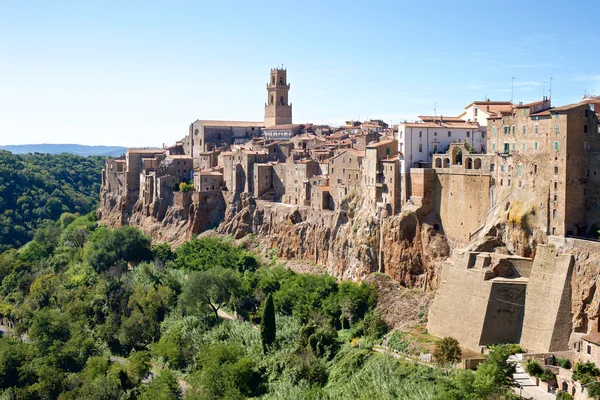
pixel 278 111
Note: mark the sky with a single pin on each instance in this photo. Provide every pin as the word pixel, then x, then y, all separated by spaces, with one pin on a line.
pixel 137 73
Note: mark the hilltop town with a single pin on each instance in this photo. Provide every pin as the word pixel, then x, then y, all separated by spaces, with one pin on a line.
pixel 496 208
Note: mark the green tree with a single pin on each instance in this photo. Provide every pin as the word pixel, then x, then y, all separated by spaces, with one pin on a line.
pixel 585 372
pixel 447 351
pixel 268 328
pixel 213 288
pixel 163 387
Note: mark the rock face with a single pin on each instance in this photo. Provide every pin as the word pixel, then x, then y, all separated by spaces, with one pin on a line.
pixel 352 243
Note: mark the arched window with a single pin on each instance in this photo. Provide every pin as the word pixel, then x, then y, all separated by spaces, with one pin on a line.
pixel 438 163
pixel 469 163
pixel 477 163
pixel 281 80
pixel 272 98
pixel 281 101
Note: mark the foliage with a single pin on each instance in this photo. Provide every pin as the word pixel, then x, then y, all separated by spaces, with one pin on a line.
pixel 186 187
pixel 585 372
pixel 447 351
pixel 96 329
pixel 208 252
pixel 373 325
pixel 36 188
pixel 563 363
pixel 564 396
pixel 268 328
pixel 593 390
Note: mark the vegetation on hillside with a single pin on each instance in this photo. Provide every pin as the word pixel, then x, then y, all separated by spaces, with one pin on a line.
pixel 101 314
pixel 36 188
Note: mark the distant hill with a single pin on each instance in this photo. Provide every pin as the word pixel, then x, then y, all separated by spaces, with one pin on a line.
pixel 78 149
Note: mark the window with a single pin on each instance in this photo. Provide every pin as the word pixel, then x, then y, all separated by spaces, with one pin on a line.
pixel 524 129
pixel 520 170
pixel 555 184
pixel 555 197
pixel 507 130
pixel 555 146
pixel 420 133
pixel 420 148
pixel 493 130
pixel 493 146
pixel 502 168
pixel 535 146
pixel 468 134
pixel 387 151
pixel 506 147
pixel 524 147
pixel 555 173
pixel 475 111
pixel 514 145
pixel 555 128
pixel 589 349
pixel 536 128
pixel 514 129
pixel 534 169
pixel 449 134
pixel 434 133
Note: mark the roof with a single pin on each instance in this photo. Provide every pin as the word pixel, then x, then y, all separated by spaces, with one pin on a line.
pixel 592 338
pixel 449 125
pixel 322 188
pixel 488 103
pixel 435 118
pixel 179 156
pixel 145 151
pixel 382 143
pixel 567 107
pixel 210 173
pixel 249 124
pixel 280 127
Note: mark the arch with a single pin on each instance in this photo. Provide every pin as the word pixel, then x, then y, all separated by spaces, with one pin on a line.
pixel 438 163
pixel 281 101
pixel 446 163
pixel 456 155
pixel 565 386
pixel 272 99
pixel 281 80
pixel 477 163
pixel 468 163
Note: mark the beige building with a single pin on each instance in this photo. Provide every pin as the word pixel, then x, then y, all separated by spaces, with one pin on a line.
pixel 548 158
pixel 278 111
pixel 382 176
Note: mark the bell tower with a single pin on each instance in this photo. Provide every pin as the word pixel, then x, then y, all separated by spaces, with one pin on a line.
pixel 278 111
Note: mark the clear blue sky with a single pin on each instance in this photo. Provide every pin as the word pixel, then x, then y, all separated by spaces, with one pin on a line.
pixel 136 73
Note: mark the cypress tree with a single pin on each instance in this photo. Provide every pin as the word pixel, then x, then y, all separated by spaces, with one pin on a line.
pixel 267 324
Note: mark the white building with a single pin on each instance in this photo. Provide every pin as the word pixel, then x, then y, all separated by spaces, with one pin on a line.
pixel 419 140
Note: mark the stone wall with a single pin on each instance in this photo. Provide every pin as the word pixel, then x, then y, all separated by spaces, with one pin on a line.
pixel 547 324
pixel 462 202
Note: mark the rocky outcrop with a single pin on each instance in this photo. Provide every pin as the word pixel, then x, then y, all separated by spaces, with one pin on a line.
pixel 351 243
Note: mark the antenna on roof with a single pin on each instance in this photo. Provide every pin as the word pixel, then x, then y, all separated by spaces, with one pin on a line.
pixel 550 94
pixel 512 89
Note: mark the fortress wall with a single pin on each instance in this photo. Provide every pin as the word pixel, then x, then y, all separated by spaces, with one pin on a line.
pixel 460 305
pixel 504 314
pixel 462 202
pixel 547 322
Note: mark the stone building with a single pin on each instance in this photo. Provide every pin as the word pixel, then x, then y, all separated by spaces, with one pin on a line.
pixel 345 174
pixel 208 181
pixel 480 111
pixel 381 179
pixel 278 111
pixel 206 135
pixel 548 160
pixel 297 185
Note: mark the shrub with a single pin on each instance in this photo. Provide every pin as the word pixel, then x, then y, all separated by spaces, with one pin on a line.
pixel 585 372
pixel 534 368
pixel 563 363
pixel 447 351
pixel 563 396
pixel 373 325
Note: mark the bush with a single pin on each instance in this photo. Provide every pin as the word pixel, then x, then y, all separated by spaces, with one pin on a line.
pixel 585 372
pixel 447 351
pixel 563 363
pixel 373 325
pixel 563 396
pixel 534 368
